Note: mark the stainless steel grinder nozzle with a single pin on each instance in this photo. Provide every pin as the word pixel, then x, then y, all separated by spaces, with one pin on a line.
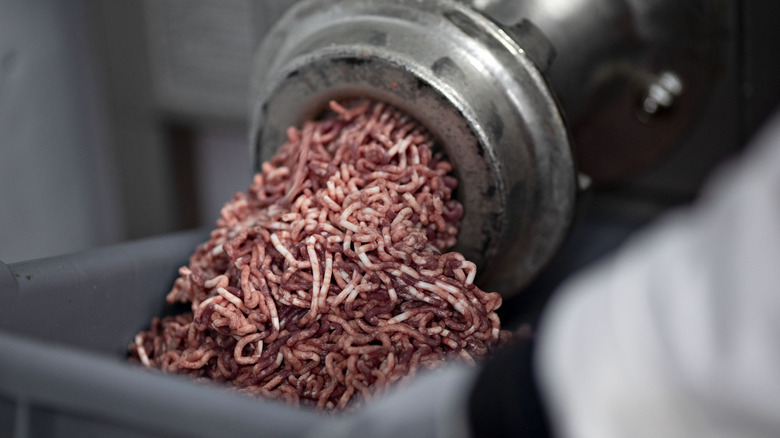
pixel 476 84
pixel 462 77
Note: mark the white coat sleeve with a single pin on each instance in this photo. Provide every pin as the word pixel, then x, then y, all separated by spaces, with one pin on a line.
pixel 678 334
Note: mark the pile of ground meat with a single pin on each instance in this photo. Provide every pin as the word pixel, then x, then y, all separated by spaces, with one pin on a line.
pixel 327 281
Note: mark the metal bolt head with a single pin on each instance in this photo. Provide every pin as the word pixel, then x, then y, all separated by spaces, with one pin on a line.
pixel 662 93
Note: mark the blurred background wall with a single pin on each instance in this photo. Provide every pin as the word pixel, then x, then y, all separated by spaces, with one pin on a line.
pixel 121 120
pixel 58 179
pixel 125 119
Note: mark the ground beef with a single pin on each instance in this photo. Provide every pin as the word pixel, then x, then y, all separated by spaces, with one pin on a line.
pixel 327 282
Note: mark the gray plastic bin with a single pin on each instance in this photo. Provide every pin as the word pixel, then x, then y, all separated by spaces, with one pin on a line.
pixel 65 325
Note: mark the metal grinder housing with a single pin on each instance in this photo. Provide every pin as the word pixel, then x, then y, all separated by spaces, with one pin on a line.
pixel 481 77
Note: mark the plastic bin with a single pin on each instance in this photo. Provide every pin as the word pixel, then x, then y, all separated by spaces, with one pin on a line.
pixel 65 325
